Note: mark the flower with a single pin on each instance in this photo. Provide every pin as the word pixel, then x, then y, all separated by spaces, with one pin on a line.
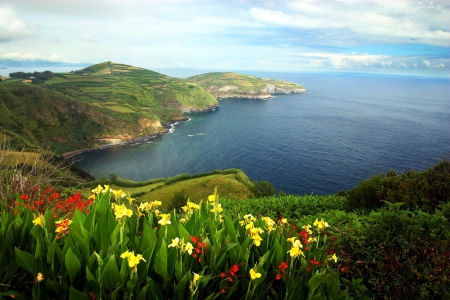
pixel 212 198
pixel 121 211
pixel 333 257
pixel 165 219
pixel 217 208
pixel 196 278
pixel 40 220
pixel 320 224
pixel 269 223
pixel 188 248
pixel 130 200
pixel 295 251
pixel 118 194
pixel 254 274
pixel 39 277
pixel 133 260
pixel 175 242
pixel 62 227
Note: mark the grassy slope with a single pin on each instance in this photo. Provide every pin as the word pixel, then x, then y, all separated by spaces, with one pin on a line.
pixel 212 82
pixel 232 184
pixel 71 110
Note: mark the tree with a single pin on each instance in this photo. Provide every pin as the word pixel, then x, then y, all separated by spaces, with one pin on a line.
pixel 263 189
pixel 179 200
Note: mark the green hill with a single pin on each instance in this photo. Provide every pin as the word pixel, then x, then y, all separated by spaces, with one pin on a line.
pixel 232 85
pixel 104 103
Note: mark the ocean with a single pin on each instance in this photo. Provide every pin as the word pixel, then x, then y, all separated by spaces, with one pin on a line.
pixel 346 128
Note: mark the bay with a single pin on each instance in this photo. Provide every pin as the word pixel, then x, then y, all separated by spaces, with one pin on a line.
pixel 346 128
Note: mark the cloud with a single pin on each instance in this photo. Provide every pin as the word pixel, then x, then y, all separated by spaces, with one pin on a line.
pixel 12 27
pixel 360 21
pixel 30 56
pixel 88 38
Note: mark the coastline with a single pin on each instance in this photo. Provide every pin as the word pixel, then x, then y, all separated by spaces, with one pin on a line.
pixel 168 127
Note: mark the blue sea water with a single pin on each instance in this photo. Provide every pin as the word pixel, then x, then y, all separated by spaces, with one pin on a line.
pixel 346 128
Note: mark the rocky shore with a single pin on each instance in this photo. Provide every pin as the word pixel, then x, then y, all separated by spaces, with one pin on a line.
pixel 168 126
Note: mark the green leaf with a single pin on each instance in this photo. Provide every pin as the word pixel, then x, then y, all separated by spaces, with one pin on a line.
pixel 110 275
pixel 73 264
pixel 230 229
pixel 77 295
pixel 314 282
pixel 25 260
pixel 57 288
pixel 142 293
pixel 161 262
pixel 84 248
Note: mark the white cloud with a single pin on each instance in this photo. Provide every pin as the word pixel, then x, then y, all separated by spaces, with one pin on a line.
pixel 12 27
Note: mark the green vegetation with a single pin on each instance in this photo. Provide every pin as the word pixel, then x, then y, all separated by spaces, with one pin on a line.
pixel 227 85
pixel 92 106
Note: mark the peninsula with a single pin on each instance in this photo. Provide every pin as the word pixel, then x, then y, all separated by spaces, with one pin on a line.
pixel 232 85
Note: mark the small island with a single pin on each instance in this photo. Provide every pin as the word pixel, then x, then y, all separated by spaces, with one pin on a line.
pixel 232 85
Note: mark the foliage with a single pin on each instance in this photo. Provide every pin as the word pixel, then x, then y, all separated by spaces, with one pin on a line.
pixel 399 253
pixel 263 189
pixel 178 201
pixel 290 207
pixel 125 250
pixel 422 190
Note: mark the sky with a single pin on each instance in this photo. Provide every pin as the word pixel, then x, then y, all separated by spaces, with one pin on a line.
pixel 367 36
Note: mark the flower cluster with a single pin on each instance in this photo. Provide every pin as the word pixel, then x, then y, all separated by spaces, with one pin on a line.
pixel 253 231
pixel 282 270
pixel 295 249
pixel 190 207
pixel 217 207
pixel 150 207
pixel 254 274
pixel 62 227
pixel 199 249
pixel 40 220
pixel 52 200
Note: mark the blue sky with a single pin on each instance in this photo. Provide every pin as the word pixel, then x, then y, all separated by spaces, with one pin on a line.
pixel 380 36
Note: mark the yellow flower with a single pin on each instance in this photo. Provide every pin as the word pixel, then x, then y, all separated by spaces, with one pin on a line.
pixel 133 260
pixel 188 248
pixel 248 218
pixel 121 211
pixel 269 223
pixel 212 198
pixel 295 251
pixel 39 277
pixel 165 219
pixel 156 203
pixel 130 200
pixel 183 220
pixel 297 244
pixel 220 218
pixel 291 240
pixel 118 194
pixel 320 224
pixel 217 208
pixel 307 228
pixel 254 274
pixel 40 220
pixel 175 242
pixel 256 239
pixel 105 189
pixel 333 257
pixel 284 221
pixel 249 225
pixel 196 278
pixel 97 190
pixel 143 206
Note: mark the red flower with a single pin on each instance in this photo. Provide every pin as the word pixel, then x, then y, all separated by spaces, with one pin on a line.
pixel 24 197
pixel 278 277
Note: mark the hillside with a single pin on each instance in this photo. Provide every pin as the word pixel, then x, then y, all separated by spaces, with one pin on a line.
pixel 98 105
pixel 232 85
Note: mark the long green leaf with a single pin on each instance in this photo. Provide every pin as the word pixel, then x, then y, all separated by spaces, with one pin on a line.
pixel 73 264
pixel 77 295
pixel 161 262
pixel 25 260
pixel 110 275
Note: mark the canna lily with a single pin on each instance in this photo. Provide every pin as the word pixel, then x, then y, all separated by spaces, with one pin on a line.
pixel 40 220
pixel 333 257
pixel 62 227
pixel 196 278
pixel 165 219
pixel 320 224
pixel 175 243
pixel 254 274
pixel 217 208
pixel 188 248
pixel 212 198
pixel 121 212
pixel 295 252
pixel 133 260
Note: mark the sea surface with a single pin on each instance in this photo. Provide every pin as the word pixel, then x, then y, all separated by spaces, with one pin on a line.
pixel 346 128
